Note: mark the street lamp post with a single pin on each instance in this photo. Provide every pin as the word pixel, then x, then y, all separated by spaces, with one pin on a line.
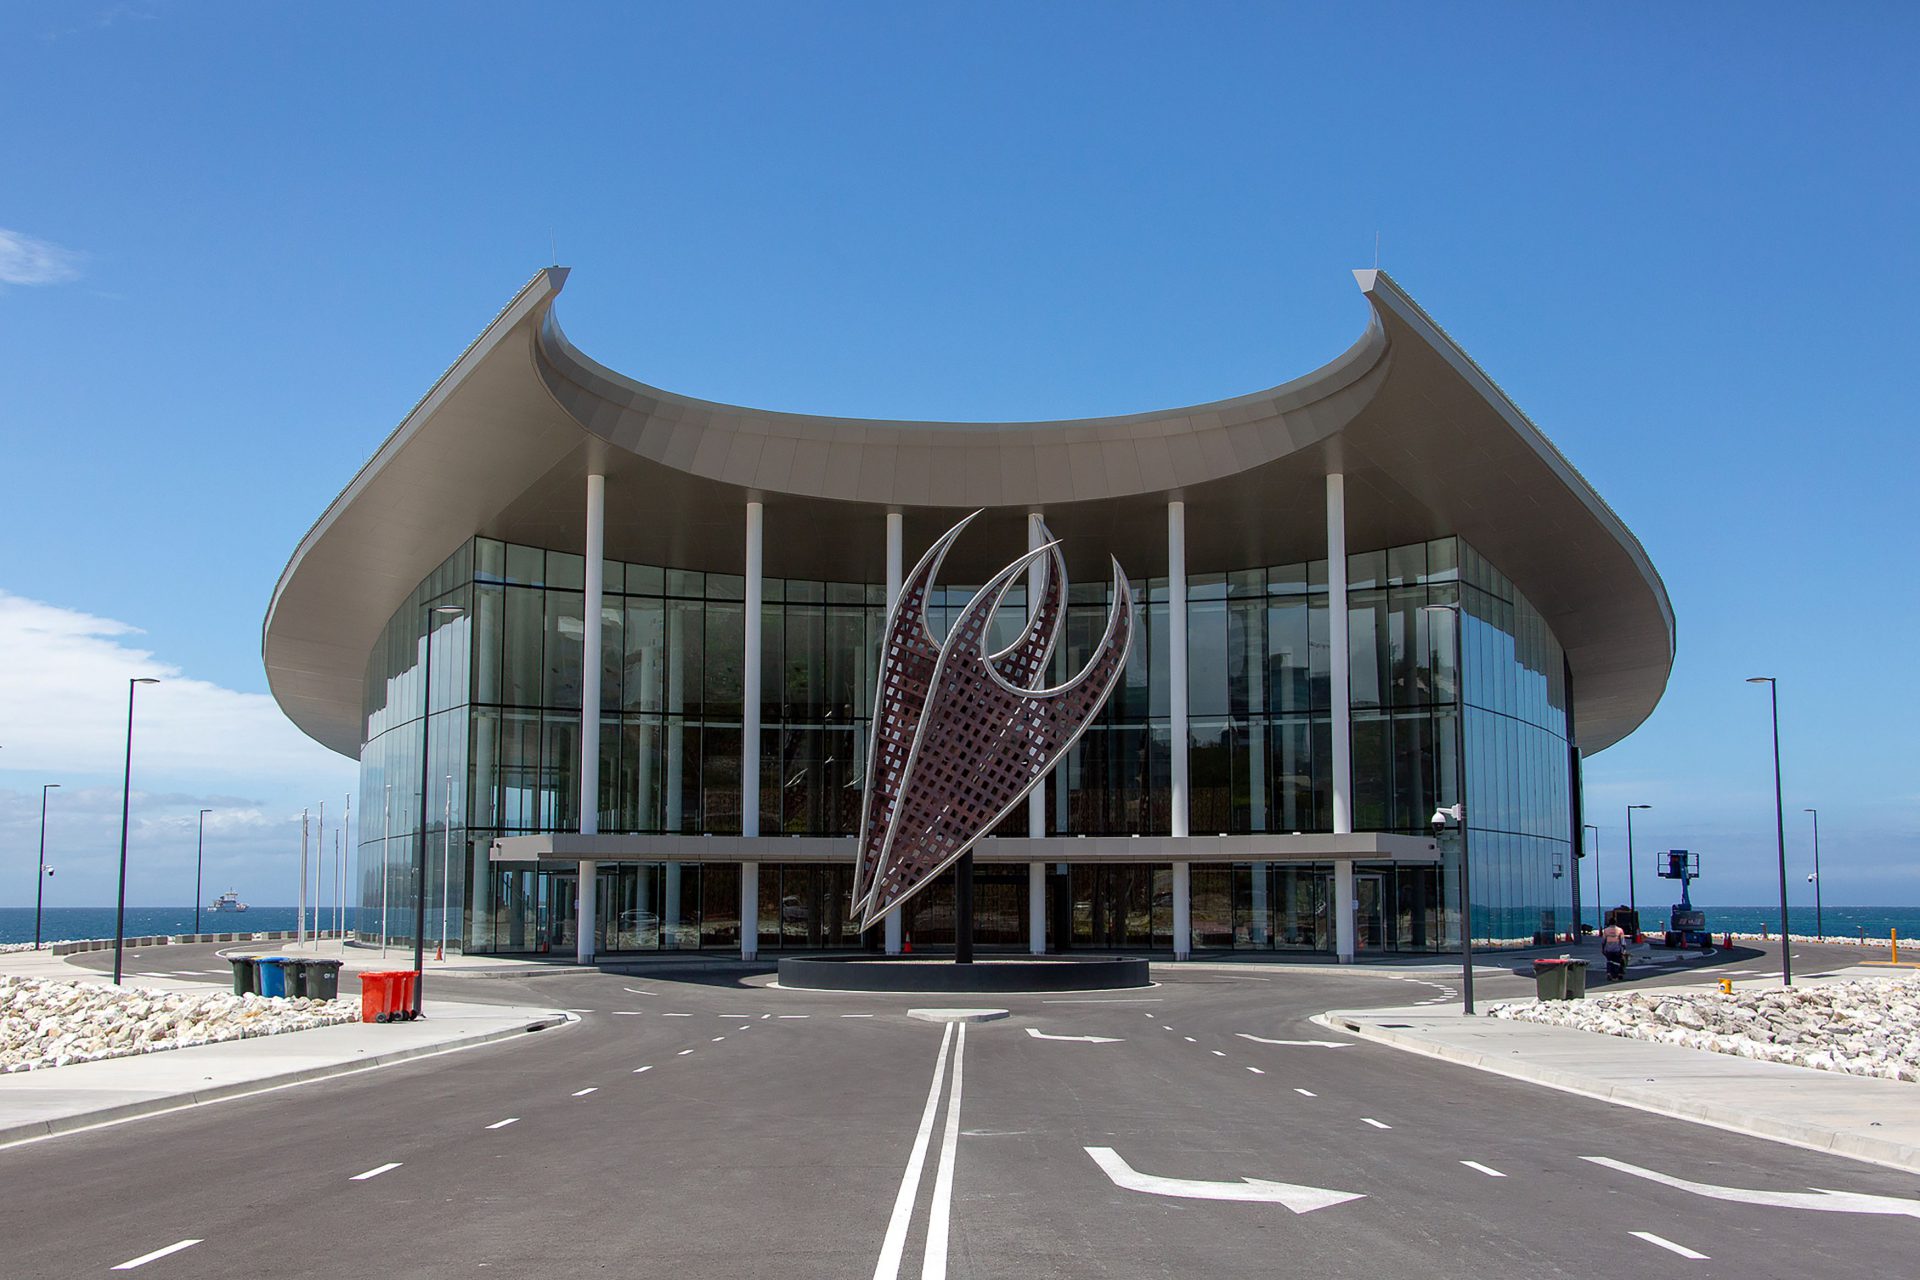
pixel 1779 829
pixel 1458 811
pixel 40 885
pixel 420 845
pixel 126 804
pixel 1819 924
pixel 1633 897
pixel 199 854
pixel 446 861
pixel 1599 903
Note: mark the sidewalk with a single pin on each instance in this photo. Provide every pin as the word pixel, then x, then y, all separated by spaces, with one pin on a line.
pixel 1860 1117
pixel 35 1104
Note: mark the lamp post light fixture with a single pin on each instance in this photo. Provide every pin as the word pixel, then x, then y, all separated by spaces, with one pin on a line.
pixel 126 804
pixel 40 881
pixel 1633 897
pixel 433 611
pixel 1819 924
pixel 1599 903
pixel 199 856
pixel 1779 829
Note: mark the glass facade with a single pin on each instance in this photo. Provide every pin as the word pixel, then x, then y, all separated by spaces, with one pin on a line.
pixel 503 725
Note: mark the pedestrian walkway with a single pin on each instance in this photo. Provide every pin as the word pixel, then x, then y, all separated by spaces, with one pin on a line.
pixel 1861 1117
pixel 50 1100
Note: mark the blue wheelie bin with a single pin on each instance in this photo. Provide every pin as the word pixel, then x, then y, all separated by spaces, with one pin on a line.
pixel 273 978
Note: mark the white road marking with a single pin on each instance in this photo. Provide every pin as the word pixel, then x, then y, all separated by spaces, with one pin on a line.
pixel 1130 1000
pixel 374 1173
pixel 1257 1071
pixel 676 1015
pixel 1375 1123
pixel 939 1212
pixel 1668 1245
pixel 628 1013
pixel 888 1267
pixel 1298 1198
pixel 1038 1034
pixel 145 1258
pixel 501 1124
pixel 637 991
pixel 716 1040
pixel 581 1093
pixel 785 1016
pixel 1818 1198
pixel 744 1027
pixel 579 1011
pixel 1218 1053
pixel 683 1053
pixel 1304 1044
pixel 848 1015
pixel 1242 977
pixel 638 1070
pixel 1165 1027
pixel 1476 1165
pixel 1189 1039
pixel 1306 1093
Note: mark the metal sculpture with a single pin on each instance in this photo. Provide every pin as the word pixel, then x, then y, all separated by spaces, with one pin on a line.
pixel 961 736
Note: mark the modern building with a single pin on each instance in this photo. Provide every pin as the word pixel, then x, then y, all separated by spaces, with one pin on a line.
pixel 1369 593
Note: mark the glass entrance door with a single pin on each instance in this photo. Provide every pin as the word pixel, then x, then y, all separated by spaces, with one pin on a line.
pixel 1369 911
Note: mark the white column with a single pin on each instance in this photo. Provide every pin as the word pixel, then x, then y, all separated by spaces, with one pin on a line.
pixel 896 573
pixel 1177 670
pixel 1343 905
pixel 591 626
pixel 750 910
pixel 750 685
pixel 1036 574
pixel 1182 912
pixel 1037 908
pixel 1339 686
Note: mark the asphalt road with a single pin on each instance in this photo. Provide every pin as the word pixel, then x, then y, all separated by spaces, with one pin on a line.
pixel 714 1127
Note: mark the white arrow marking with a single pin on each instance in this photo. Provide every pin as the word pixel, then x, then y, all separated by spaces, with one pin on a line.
pixel 1819 1198
pixel 1305 1044
pixel 1249 1190
pixel 1041 1035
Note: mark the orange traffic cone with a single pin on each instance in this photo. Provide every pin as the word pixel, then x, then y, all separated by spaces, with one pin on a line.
pixel 906 945
pixel 440 951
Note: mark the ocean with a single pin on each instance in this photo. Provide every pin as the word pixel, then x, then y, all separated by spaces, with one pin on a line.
pixel 58 924
pixel 1842 922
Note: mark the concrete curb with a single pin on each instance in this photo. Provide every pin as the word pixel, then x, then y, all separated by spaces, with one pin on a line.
pixel 1854 1146
pixel 34 1131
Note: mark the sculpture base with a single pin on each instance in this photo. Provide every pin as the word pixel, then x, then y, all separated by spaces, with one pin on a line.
pixel 926 974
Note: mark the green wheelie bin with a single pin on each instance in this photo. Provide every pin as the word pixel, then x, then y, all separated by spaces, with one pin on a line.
pixel 246 976
pixel 323 979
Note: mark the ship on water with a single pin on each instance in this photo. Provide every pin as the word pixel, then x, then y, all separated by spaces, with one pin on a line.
pixel 228 901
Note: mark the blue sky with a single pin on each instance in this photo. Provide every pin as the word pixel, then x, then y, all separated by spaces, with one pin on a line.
pixel 237 241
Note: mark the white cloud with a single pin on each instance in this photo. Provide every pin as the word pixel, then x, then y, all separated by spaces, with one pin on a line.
pixel 27 260
pixel 197 744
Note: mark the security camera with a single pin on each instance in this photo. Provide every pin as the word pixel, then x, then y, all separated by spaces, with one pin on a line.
pixel 49 872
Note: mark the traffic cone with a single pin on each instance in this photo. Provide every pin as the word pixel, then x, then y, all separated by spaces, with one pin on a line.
pixel 906 945
pixel 440 951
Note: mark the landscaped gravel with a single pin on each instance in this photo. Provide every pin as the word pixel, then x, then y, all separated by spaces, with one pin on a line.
pixel 1869 1027
pixel 50 1024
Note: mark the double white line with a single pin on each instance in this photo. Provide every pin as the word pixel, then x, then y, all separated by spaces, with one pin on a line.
pixel 939 1212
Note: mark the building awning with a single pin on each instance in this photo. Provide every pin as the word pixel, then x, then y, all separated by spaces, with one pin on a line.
pixel 1361 846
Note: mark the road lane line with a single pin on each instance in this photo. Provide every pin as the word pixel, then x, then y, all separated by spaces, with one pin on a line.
pixel 1475 1164
pixel 716 1040
pixel 628 1013
pixel 374 1173
pixel 850 1015
pixel 1306 1093
pixel 579 1011
pixel 637 991
pixel 940 1210
pixel 1669 1245
pixel 1218 1053
pixel 501 1124
pixel 581 1093
pixel 676 1015
pixel 1375 1123
pixel 746 1027
pixel 145 1258
pixel 785 1016
pixel 683 1053
pixel 1189 1039
pixel 1257 1071
pixel 891 1247
pixel 640 1070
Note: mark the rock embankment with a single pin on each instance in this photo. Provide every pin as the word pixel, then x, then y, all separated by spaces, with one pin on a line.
pixel 50 1024
pixel 1864 1028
